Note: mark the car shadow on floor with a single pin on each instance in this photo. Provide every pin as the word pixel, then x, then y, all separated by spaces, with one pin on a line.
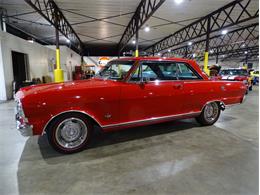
pixel 101 139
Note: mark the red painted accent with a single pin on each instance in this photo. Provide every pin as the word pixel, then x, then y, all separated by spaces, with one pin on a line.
pixel 124 101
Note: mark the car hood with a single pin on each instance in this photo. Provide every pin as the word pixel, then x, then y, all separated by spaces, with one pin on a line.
pixel 58 87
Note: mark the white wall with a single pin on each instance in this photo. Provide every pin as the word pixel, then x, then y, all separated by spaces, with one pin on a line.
pixel 68 60
pixel 38 55
pixel 41 59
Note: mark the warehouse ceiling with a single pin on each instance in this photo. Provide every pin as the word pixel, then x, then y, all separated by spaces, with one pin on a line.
pixel 102 22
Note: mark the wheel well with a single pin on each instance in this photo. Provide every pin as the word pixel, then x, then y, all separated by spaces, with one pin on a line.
pixel 69 112
pixel 220 103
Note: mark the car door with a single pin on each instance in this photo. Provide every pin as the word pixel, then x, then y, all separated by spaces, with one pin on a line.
pixel 195 89
pixel 152 92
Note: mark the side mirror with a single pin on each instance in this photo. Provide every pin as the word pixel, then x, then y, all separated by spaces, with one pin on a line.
pixel 145 80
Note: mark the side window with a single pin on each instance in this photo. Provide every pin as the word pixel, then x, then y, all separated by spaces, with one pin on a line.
pixel 136 75
pixel 185 73
pixel 155 70
pixel 160 71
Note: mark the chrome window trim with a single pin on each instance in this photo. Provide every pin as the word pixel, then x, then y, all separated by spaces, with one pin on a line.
pixel 140 63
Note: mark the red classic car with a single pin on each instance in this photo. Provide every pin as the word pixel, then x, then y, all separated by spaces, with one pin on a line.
pixel 237 74
pixel 127 92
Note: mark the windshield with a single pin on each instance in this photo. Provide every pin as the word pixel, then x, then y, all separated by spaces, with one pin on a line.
pixel 115 70
pixel 234 72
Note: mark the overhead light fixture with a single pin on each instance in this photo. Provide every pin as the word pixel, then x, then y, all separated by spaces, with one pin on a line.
pixel 147 29
pixel 246 52
pixel 31 40
pixel 243 45
pixel 223 56
pixel 223 32
pixel 169 50
pixel 67 40
pixel 133 42
pixel 211 51
pixel 189 43
pixel 178 1
pixel 159 54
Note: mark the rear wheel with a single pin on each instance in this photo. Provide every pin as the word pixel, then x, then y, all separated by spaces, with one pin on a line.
pixel 70 133
pixel 209 114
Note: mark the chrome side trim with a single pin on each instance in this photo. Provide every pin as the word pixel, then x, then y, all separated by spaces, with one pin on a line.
pixel 151 119
pixel 78 111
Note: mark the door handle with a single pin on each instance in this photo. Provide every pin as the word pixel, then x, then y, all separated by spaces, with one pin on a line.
pixel 178 86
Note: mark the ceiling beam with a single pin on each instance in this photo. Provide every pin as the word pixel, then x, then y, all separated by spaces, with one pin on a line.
pixel 144 11
pixel 241 53
pixel 240 38
pixel 50 11
pixel 232 14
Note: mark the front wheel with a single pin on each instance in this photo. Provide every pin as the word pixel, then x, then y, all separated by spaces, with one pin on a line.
pixel 70 133
pixel 209 114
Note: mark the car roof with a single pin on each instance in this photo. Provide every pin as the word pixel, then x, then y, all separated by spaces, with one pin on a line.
pixel 151 58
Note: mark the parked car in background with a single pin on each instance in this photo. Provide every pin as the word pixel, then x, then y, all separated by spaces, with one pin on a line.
pixel 128 92
pixel 237 74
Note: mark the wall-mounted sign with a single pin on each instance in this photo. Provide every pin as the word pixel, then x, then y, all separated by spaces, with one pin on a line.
pixel 102 61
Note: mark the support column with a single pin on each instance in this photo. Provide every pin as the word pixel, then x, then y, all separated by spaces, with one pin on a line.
pixel 217 57
pixel 136 38
pixel 3 19
pixel 58 72
pixel 186 52
pixel 245 66
pixel 206 54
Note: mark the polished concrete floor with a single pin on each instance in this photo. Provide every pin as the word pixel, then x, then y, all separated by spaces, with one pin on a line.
pixel 172 158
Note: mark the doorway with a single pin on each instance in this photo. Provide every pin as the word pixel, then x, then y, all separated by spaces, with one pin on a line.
pixel 20 69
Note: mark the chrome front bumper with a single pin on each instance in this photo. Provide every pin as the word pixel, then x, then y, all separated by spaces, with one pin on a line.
pixel 22 124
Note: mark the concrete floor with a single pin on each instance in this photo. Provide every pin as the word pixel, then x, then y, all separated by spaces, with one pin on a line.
pixel 171 158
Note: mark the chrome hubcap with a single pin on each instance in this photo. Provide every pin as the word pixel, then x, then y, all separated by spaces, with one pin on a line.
pixel 211 111
pixel 71 132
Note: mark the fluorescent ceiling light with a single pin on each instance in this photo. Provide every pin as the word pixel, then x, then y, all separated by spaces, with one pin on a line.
pixel 133 42
pixel 178 1
pixel 190 43
pixel 147 29
pixel 223 32
pixel 169 50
